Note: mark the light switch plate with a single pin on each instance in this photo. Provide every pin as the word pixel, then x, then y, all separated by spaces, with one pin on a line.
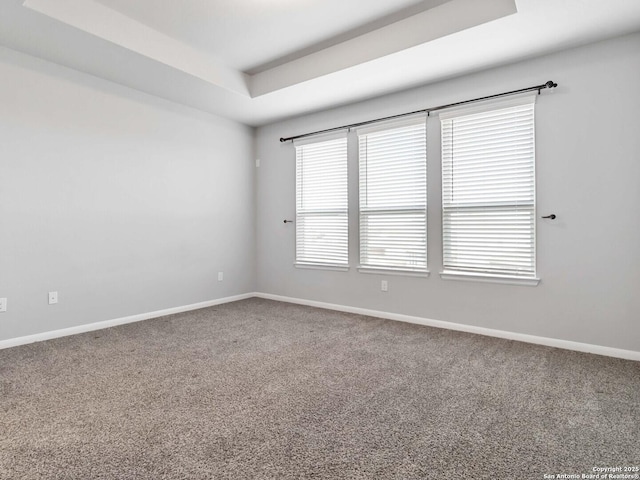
pixel 3 304
pixel 53 298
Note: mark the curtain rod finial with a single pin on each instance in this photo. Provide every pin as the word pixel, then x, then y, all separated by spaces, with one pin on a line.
pixel 551 84
pixel 282 140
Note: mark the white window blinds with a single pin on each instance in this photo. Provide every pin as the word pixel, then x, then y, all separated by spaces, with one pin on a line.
pixel 321 203
pixel 488 191
pixel 393 197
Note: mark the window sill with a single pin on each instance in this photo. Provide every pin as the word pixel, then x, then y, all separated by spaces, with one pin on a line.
pixel 319 266
pixel 394 271
pixel 488 278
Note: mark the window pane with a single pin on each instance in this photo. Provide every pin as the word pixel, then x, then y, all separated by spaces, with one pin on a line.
pixel 393 197
pixel 394 240
pixel 488 191
pixel 321 203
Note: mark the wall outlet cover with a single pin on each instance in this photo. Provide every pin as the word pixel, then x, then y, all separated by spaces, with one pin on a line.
pixel 53 298
pixel 3 304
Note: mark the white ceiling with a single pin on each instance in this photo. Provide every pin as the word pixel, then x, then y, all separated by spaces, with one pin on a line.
pixel 246 34
pixel 257 61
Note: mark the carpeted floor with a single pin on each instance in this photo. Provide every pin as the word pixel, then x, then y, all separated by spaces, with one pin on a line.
pixel 262 389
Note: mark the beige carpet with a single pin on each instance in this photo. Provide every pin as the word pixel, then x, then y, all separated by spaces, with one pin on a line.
pixel 261 389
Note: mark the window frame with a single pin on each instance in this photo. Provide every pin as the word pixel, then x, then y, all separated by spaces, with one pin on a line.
pixel 478 275
pixel 342 212
pixel 420 119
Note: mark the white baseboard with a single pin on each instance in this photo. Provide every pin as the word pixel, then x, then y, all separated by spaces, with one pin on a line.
pixel 39 337
pixel 490 332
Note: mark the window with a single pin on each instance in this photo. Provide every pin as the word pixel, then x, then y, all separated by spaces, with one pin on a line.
pixel 321 203
pixel 488 191
pixel 393 196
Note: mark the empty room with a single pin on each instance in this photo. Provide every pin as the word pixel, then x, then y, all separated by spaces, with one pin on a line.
pixel 290 239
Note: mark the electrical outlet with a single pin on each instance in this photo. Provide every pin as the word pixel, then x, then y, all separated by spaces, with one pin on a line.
pixel 384 286
pixel 53 298
pixel 257 162
pixel 3 304
pixel 220 276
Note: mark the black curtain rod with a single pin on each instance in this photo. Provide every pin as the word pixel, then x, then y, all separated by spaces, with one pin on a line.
pixel 539 88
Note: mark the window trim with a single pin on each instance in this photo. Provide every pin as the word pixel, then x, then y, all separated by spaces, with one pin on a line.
pixel 488 105
pixel 393 271
pixel 321 266
pixel 489 278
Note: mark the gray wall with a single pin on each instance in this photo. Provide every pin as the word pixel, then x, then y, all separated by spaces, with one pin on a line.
pixel 126 204
pixel 588 173
pixel 120 201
